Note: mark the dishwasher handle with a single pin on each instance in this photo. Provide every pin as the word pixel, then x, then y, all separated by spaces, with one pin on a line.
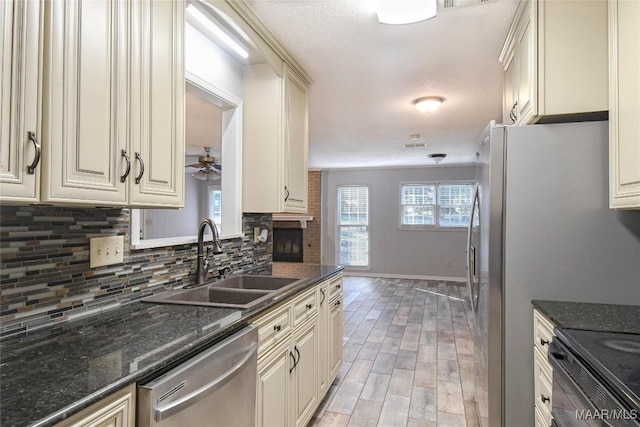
pixel 164 412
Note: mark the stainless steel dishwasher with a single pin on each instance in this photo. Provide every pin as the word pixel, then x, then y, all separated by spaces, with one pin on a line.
pixel 215 388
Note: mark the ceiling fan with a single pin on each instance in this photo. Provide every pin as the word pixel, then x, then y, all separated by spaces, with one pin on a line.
pixel 208 169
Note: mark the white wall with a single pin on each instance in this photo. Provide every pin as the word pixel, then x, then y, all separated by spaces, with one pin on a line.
pixel 205 60
pixel 394 251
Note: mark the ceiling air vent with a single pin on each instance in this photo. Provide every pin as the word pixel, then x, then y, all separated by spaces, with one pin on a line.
pixel 450 4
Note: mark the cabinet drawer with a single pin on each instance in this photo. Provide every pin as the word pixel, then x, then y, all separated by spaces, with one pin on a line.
pixel 542 384
pixel 542 332
pixel 335 287
pixel 541 420
pixel 273 327
pixel 305 306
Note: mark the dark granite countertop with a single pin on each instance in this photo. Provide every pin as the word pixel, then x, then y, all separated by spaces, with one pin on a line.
pixel 50 374
pixel 591 316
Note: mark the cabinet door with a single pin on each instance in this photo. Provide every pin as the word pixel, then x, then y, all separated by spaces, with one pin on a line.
pixel 305 373
pixel 624 104
pixel 117 410
pixel 85 107
pixel 510 90
pixel 157 103
pixel 526 75
pixel 20 42
pixel 335 337
pixel 296 143
pixel 323 337
pixel 274 385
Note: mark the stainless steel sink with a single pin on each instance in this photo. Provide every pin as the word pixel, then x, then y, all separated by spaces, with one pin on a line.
pixel 270 283
pixel 242 291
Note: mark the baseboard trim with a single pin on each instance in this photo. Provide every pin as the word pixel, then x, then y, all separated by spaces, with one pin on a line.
pixel 403 276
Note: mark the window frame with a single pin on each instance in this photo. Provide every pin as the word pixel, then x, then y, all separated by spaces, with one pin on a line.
pixel 436 225
pixel 367 225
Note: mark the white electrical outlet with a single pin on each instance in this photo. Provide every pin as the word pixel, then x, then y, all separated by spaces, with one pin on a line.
pixel 106 251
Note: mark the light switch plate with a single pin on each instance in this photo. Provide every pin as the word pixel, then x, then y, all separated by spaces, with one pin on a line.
pixel 106 251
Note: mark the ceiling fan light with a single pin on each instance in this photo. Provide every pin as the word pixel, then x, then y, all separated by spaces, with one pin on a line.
pixel 396 12
pixel 428 104
pixel 206 176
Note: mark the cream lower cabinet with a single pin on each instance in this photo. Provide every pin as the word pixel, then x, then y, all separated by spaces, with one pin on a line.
pixel 21 51
pixel 296 360
pixel 112 102
pixel 553 51
pixel 335 337
pixel 624 104
pixel 542 369
pixel 117 410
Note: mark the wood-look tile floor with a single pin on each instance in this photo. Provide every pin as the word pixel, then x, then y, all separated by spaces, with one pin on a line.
pixel 408 356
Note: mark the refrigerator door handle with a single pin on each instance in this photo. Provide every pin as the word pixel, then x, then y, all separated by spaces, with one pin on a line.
pixel 471 253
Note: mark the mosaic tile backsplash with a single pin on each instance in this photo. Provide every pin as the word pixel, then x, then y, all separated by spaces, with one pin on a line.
pixel 45 276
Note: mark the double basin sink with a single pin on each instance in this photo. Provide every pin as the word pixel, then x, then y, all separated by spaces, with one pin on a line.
pixel 242 291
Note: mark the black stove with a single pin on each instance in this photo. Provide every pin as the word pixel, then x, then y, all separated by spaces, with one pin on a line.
pixel 599 371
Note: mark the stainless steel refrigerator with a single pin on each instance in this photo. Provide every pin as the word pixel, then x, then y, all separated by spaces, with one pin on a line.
pixel 541 229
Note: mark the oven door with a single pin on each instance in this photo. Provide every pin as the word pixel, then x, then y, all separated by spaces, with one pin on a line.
pixel 572 406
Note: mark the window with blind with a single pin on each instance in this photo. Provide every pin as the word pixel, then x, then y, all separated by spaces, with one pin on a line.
pixel 435 205
pixel 353 226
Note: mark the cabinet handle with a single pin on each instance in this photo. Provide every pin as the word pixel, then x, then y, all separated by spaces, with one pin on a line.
pixel 277 328
pixel 338 286
pixel 294 361
pixel 337 303
pixel 286 197
pixel 295 347
pixel 309 306
pixel 323 296
pixel 123 178
pixel 139 159
pixel 544 398
pixel 36 159
pixel 543 341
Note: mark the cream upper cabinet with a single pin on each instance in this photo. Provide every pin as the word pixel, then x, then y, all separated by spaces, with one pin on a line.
pixel 112 103
pixel 157 104
pixel 275 141
pixel 85 105
pixel 624 104
pixel 20 45
pixel 296 143
pixel 555 60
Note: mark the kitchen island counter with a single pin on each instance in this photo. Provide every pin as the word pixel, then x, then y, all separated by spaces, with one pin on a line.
pixel 49 374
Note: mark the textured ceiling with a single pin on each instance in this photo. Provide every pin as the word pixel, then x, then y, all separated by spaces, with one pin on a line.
pixel 366 75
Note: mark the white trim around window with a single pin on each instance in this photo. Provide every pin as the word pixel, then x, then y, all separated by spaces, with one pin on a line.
pixel 435 206
pixel 353 243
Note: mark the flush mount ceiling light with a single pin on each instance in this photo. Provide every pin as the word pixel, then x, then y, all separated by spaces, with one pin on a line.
pixel 428 104
pixel 397 12
pixel 437 157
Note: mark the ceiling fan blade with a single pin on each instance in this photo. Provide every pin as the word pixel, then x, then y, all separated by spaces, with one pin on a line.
pixel 196 165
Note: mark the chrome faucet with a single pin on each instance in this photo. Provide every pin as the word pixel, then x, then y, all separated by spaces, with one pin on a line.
pixel 202 267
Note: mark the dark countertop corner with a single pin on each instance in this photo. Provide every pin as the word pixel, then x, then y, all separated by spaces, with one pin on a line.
pixel 591 316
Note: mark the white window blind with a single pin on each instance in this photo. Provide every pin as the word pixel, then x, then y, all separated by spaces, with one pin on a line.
pixel 215 205
pixel 454 201
pixel 353 226
pixel 435 204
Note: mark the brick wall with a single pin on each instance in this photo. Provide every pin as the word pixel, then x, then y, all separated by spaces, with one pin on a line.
pixel 45 276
